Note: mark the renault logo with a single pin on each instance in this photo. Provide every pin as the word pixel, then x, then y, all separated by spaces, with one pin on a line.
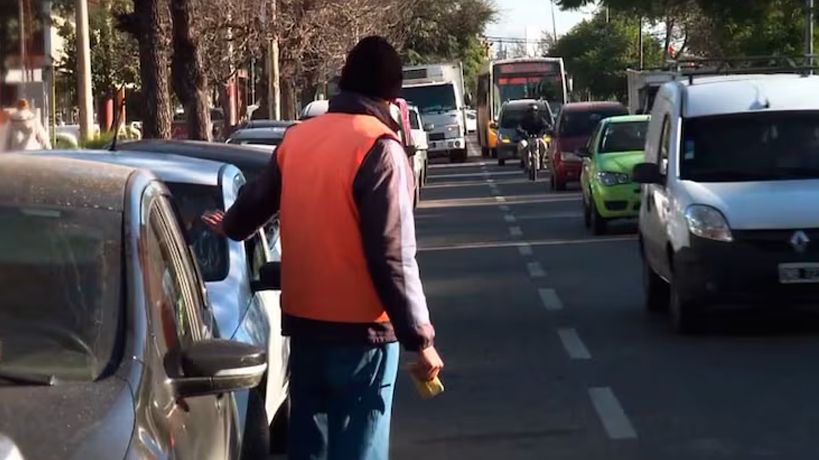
pixel 800 241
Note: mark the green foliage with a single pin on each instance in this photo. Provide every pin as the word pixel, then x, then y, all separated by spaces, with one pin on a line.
pixel 448 31
pixel 597 54
pixel 98 142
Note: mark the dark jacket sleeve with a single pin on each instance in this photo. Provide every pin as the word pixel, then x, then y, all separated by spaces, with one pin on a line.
pixel 383 194
pixel 257 203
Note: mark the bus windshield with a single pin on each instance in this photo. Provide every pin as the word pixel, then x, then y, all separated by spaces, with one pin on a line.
pixel 431 98
pixel 541 80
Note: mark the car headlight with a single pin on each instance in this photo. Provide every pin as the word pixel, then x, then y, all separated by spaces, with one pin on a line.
pixel 610 179
pixel 707 222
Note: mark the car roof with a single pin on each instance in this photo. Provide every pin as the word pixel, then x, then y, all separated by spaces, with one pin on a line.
pixel 259 133
pixel 627 118
pixel 268 124
pixel 589 106
pixel 39 180
pixel 246 158
pixel 728 94
pixel 169 168
pixel 315 109
pixel 524 102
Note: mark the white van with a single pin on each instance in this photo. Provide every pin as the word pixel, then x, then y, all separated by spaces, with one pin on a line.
pixel 730 202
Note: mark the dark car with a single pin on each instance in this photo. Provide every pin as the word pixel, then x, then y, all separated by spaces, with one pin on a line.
pixel 107 339
pixel 574 126
pixel 511 115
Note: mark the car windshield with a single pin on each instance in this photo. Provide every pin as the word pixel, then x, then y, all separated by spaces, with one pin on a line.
pixel 751 147
pixel 211 250
pixel 60 290
pixel 624 137
pixel 581 123
pixel 432 98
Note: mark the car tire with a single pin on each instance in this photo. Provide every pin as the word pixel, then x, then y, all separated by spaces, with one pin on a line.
pixel 560 186
pixel 417 198
pixel 501 162
pixel 256 438
pixel 485 152
pixel 458 156
pixel 686 315
pixel 597 222
pixel 493 153
pixel 278 429
pixel 655 289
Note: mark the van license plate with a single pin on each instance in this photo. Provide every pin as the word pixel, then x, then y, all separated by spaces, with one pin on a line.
pixel 799 273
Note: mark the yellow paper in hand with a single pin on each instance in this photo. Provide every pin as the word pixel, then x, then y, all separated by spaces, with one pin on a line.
pixel 430 389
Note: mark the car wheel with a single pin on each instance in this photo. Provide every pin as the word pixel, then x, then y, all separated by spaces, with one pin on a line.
pixel 655 289
pixel 484 152
pixel 256 439
pixel 598 223
pixel 278 430
pixel 560 186
pixel 493 153
pixel 501 162
pixel 686 315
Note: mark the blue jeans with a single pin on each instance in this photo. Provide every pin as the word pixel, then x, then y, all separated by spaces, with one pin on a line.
pixel 340 401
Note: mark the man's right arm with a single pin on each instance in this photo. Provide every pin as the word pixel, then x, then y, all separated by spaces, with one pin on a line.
pixel 257 203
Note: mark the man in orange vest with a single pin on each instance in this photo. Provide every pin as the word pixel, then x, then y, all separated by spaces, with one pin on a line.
pixel 351 288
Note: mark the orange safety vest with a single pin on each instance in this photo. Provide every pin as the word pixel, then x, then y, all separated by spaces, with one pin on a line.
pixel 324 271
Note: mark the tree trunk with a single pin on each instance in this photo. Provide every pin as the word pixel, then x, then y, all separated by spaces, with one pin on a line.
pixel 669 31
pixel 149 25
pixel 189 80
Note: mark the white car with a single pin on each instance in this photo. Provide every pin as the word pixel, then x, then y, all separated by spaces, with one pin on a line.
pixel 730 202
pixel 419 139
pixel 315 109
pixel 471 121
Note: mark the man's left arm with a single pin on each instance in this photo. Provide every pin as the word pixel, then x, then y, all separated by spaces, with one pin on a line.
pixel 257 203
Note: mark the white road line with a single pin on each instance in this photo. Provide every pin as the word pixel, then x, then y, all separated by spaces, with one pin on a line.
pixel 525 250
pixel 535 270
pixel 508 244
pixel 509 218
pixel 505 208
pixel 611 413
pixel 515 232
pixel 550 300
pixel 491 181
pixel 459 175
pixel 500 199
pixel 573 345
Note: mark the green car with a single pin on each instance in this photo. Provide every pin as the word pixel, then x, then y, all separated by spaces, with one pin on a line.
pixel 617 145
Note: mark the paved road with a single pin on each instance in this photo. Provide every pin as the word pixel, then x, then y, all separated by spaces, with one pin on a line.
pixel 550 355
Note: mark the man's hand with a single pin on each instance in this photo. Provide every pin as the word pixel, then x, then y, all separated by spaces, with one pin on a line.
pixel 428 366
pixel 213 219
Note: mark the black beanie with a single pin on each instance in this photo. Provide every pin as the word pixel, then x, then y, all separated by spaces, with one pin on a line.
pixel 373 68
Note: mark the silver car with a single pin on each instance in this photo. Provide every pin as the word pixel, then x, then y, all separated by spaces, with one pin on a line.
pixel 228 268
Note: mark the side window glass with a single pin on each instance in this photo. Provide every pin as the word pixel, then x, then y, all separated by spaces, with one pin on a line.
pixel 256 254
pixel 665 138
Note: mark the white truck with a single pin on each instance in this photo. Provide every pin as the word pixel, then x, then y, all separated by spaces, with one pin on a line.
pixel 438 92
pixel 643 86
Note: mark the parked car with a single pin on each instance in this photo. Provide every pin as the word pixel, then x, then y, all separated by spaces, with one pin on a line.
pixel 314 109
pixel 108 341
pixel 509 119
pixel 572 131
pixel 230 269
pixel 421 143
pixel 417 157
pixel 251 124
pixel 616 146
pixel 250 161
pixel 269 137
pixel 471 121
pixel 730 210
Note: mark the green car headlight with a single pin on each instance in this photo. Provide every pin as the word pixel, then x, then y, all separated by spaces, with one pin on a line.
pixel 610 179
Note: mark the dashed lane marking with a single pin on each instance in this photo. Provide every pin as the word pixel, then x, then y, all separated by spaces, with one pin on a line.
pixel 508 244
pixel 510 218
pixel 505 208
pixel 575 347
pixel 535 270
pixel 500 199
pixel 550 300
pixel 515 232
pixel 525 250
pixel 611 413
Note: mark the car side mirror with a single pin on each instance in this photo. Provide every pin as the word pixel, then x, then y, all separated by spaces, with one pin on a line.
pixel 212 367
pixel 647 173
pixel 428 126
pixel 270 278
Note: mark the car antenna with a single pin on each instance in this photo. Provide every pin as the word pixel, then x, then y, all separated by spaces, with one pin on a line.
pixel 118 109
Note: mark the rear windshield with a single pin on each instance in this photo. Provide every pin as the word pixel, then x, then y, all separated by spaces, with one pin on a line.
pixel 511 117
pixel 271 141
pixel 624 137
pixel 751 147
pixel 211 250
pixel 582 123
pixel 60 290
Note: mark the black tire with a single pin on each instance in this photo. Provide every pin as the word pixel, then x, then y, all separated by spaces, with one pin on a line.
pixel 278 430
pixel 256 438
pixel 655 289
pixel 598 223
pixel 559 185
pixel 552 183
pixel 485 152
pixel 686 315
pixel 458 156
pixel 501 162
pixel 493 153
pixel 532 171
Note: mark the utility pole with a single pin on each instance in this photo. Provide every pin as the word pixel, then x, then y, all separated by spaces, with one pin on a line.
pixel 274 79
pixel 83 69
pixel 554 21
pixel 809 16
pixel 640 43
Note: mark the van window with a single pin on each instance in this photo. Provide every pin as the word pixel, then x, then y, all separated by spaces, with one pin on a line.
pixel 414 122
pixel 582 123
pixel 763 146
pixel 665 138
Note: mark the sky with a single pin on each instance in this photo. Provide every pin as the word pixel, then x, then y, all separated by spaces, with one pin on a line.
pixel 518 15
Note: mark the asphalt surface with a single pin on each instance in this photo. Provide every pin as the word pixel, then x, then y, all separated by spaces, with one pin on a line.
pixel 550 355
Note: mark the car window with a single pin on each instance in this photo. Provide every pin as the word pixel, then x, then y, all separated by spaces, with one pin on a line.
pixel 61 290
pixel 211 250
pixel 581 123
pixel 665 138
pixel 256 251
pixel 623 137
pixel 415 123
